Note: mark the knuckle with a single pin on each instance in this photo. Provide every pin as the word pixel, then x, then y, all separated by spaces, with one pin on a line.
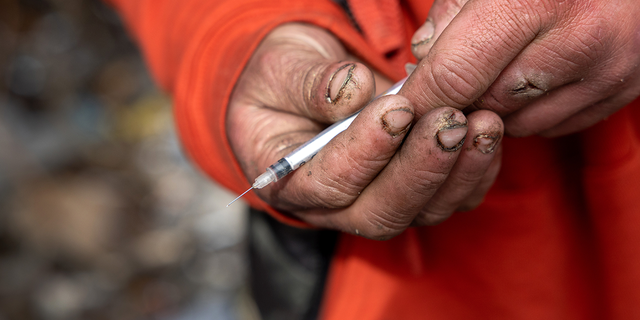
pixel 594 41
pixel 454 80
pixel 315 192
pixel 340 189
pixel 422 187
pixel 288 78
pixel 424 182
pixel 467 179
pixel 383 225
pixel 332 196
pixel 586 44
pixel 499 102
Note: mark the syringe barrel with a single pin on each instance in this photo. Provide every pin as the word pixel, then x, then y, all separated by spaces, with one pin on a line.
pixel 281 168
pixel 308 150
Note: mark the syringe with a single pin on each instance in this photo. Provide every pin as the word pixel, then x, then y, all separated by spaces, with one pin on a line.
pixel 309 149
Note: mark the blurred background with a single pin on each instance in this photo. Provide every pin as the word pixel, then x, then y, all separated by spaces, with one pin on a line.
pixel 101 215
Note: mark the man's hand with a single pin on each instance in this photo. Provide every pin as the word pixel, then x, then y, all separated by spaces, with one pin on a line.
pixel 547 67
pixel 377 177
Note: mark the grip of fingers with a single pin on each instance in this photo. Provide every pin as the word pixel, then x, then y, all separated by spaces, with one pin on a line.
pixel 337 175
pixel 473 173
pixel 392 200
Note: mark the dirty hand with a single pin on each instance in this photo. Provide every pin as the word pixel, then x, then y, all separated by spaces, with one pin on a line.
pixel 547 67
pixel 366 180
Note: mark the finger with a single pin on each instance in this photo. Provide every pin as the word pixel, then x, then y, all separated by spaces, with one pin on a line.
pixel 476 156
pixel 577 105
pixel 583 104
pixel 440 15
pixel 268 115
pixel 552 109
pixel 563 59
pixel 392 200
pixel 303 70
pixel 343 168
pixel 591 115
pixel 424 37
pixel 471 53
pixel 582 120
pixel 477 196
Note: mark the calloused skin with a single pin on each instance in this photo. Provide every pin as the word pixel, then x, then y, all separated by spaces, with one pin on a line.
pixel 389 170
pixel 546 67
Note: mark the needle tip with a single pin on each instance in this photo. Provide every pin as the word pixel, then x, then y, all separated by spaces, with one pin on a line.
pixel 240 196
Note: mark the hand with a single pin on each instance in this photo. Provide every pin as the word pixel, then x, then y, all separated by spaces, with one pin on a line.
pixel 375 179
pixel 547 67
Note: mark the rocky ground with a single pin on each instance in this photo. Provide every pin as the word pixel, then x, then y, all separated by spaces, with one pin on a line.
pixel 101 215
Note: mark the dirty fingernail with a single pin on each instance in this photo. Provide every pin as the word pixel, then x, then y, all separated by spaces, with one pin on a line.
pixel 486 143
pixel 452 131
pixel 338 82
pixel 423 34
pixel 452 139
pixel 396 122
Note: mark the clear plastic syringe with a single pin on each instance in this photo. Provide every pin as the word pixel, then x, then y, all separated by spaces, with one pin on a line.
pixel 308 150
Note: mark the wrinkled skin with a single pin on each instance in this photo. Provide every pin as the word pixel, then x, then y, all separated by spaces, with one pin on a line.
pixel 546 67
pixel 366 181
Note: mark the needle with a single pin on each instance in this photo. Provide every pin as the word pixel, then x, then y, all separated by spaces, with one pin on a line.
pixel 240 196
pixel 305 152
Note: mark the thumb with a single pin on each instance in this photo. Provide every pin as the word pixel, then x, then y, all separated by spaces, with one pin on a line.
pixel 440 15
pixel 303 70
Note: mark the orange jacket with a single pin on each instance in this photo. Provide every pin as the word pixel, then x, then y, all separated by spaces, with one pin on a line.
pixel 558 236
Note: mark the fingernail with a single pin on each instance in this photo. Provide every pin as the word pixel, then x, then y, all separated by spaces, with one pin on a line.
pixel 452 133
pixel 338 82
pixel 452 139
pixel 486 143
pixel 423 34
pixel 397 122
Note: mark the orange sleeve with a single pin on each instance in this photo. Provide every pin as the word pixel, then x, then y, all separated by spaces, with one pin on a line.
pixel 197 49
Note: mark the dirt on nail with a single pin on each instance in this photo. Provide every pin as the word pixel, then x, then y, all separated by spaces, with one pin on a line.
pixel 449 122
pixel 342 89
pixel 391 130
